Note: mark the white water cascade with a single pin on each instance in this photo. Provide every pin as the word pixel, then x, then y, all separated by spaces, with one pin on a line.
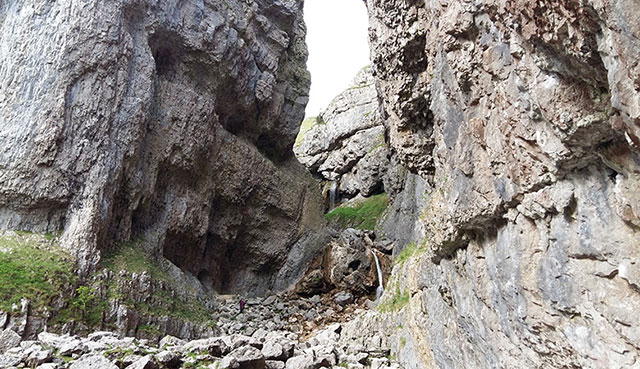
pixel 333 191
pixel 380 289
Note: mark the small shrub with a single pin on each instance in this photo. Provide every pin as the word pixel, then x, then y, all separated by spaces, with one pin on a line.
pixel 85 298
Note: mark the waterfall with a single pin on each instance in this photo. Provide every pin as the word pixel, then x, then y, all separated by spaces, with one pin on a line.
pixel 380 289
pixel 333 190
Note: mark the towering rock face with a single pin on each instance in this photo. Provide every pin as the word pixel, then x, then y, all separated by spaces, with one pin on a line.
pixel 346 144
pixel 524 119
pixel 169 120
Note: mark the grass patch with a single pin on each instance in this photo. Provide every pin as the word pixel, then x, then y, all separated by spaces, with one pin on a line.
pixel 166 305
pixel 361 215
pixel 150 330
pixel 409 251
pixel 399 300
pixel 132 257
pixel 32 266
pixel 306 125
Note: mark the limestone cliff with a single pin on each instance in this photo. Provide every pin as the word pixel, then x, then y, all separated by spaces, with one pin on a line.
pixel 170 121
pixel 346 145
pixel 523 119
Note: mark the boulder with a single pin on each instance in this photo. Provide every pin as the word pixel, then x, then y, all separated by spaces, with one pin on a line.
pixel 92 362
pixel 147 362
pixel 8 339
pixel 303 361
pixel 169 359
pixel 245 357
pixel 343 298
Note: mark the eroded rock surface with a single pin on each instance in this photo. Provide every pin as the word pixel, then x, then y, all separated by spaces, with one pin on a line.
pixel 171 120
pixel 347 143
pixel 348 264
pixel 522 118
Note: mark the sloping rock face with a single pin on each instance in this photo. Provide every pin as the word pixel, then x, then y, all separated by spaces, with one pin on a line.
pixel 347 144
pixel 523 118
pixel 172 120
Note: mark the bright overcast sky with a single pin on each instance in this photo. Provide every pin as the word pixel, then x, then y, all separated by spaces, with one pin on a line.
pixel 338 42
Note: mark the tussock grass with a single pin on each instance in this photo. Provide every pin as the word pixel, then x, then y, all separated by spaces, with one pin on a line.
pixel 34 267
pixel 361 215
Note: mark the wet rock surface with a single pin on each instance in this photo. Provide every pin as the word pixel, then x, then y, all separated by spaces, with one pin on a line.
pixel 348 266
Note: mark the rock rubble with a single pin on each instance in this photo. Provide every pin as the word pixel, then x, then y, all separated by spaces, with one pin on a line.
pixel 264 349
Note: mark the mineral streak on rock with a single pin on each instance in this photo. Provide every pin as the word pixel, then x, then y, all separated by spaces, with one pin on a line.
pixel 171 120
pixel 523 117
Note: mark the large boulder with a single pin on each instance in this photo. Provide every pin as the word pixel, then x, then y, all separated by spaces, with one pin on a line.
pixel 245 357
pixel 8 339
pixel 348 264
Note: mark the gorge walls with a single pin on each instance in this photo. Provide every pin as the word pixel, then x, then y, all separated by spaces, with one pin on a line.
pixel 167 121
pixel 523 118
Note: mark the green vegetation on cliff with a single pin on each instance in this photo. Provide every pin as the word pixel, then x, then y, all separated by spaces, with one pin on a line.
pixel 361 214
pixel 306 125
pixel 410 250
pixel 131 257
pixel 35 268
pixel 32 266
pixel 398 300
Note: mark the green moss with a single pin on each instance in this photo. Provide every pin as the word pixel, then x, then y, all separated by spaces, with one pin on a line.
pixel 32 266
pixel 399 300
pixel 118 352
pixel 361 215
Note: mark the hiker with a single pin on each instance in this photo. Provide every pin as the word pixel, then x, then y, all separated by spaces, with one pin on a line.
pixel 242 303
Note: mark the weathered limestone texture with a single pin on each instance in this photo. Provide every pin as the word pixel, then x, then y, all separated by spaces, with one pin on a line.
pixel 347 144
pixel 523 117
pixel 172 120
